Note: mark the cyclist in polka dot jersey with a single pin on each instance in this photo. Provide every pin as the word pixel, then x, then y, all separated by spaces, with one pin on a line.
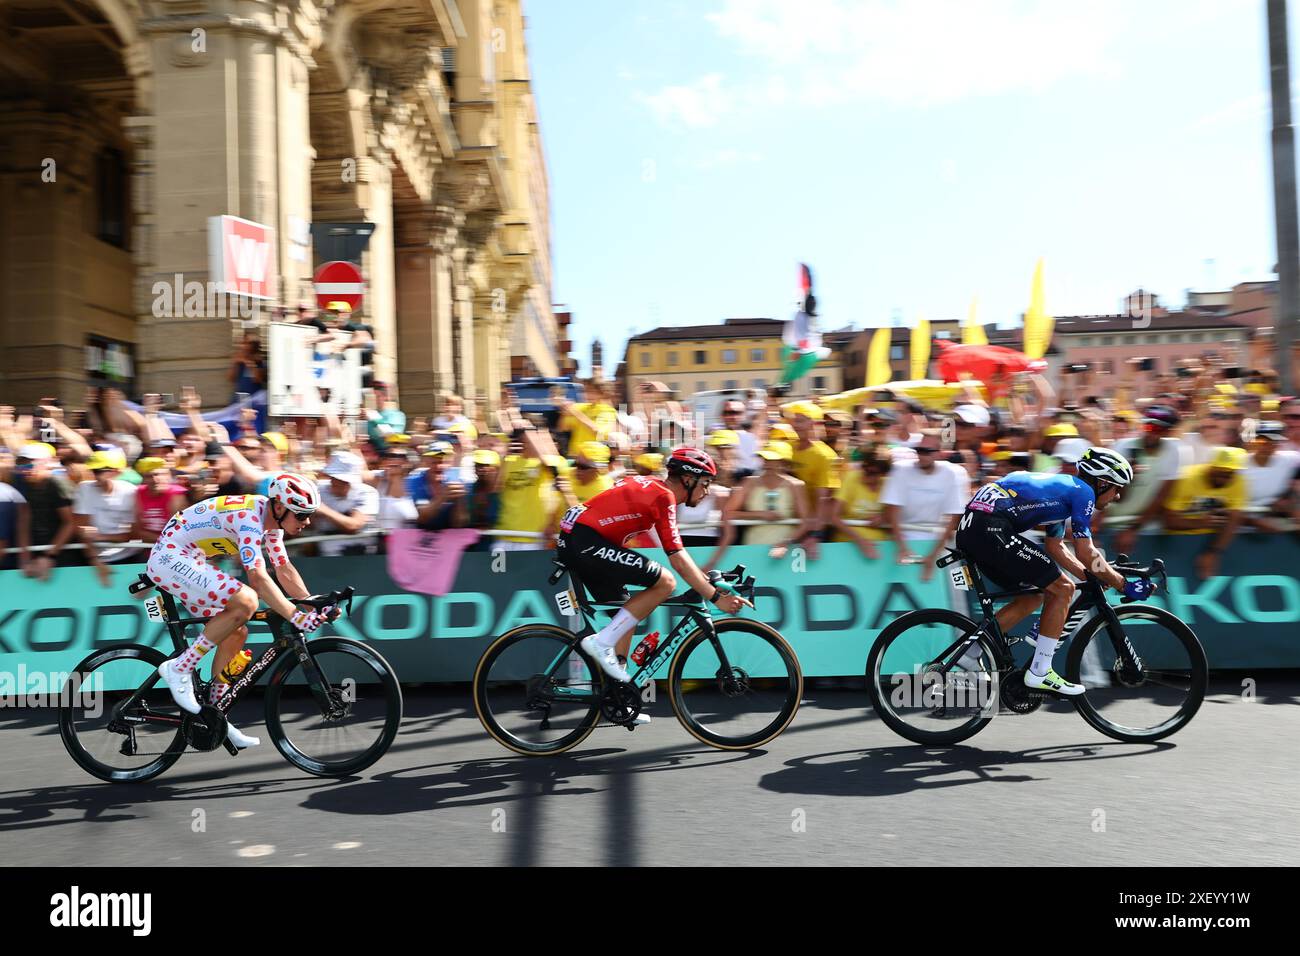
pixel 251 527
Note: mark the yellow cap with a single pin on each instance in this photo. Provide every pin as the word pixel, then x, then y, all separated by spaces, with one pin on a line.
pixel 1228 457
pixel 1269 405
pixel 650 461
pixel 724 438
pixel 1258 388
pixel 807 409
pixel 1225 388
pixel 465 428
pixel 782 432
pixel 339 307
pixel 1062 430
pixel 594 451
pixel 106 459
pixel 486 456
pixel 398 439
pixel 37 451
pixel 146 465
pixel 277 441
pixel 776 451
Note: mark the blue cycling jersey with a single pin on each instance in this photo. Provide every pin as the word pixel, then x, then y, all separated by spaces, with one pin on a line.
pixel 1028 499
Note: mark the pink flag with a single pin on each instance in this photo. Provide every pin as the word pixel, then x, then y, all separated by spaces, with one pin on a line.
pixel 426 561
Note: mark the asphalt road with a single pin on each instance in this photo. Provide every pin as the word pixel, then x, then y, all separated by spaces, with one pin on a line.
pixel 836 788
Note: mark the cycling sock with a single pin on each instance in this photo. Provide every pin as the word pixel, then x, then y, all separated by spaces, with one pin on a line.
pixel 1043 653
pixel 622 625
pixel 190 659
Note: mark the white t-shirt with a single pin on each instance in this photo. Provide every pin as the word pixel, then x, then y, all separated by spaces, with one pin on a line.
pixel 111 512
pixel 1150 471
pixel 708 512
pixel 1269 482
pixel 360 498
pixel 925 499
pixel 747 453
pixel 395 513
pixel 1195 450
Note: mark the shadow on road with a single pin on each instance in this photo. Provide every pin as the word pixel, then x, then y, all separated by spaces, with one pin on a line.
pixel 114 802
pixel 891 771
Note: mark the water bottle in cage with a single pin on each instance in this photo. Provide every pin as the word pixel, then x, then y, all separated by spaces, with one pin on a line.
pixel 578 669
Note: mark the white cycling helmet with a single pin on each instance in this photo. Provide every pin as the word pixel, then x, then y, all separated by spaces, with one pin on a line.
pixel 1106 465
pixel 294 492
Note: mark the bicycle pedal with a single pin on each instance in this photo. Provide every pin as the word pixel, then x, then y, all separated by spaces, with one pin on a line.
pixel 231 749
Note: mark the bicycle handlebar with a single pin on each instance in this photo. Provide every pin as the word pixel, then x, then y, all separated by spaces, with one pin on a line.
pixel 321 601
pixel 1155 570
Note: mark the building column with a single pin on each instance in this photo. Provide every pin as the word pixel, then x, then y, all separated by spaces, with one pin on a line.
pixel 215 153
pixel 43 197
pixel 463 309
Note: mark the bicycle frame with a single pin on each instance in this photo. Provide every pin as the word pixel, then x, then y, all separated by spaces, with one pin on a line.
pixel 1091 600
pixel 177 627
pixel 661 654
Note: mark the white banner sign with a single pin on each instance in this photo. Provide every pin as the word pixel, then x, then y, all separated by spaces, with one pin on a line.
pixel 302 370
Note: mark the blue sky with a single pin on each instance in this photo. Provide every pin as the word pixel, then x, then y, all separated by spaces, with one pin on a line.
pixel 914 154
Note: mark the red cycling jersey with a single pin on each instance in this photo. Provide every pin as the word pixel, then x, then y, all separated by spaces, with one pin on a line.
pixel 634 505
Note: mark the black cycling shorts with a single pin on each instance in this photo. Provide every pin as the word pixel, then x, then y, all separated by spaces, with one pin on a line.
pixel 603 567
pixel 1008 559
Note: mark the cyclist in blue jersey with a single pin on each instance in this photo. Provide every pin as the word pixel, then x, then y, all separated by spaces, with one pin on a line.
pixel 989 534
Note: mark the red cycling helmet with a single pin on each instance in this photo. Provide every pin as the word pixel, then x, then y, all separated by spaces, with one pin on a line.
pixel 691 461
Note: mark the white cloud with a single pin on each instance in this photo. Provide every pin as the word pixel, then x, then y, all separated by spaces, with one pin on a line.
pixel 898 52
pixel 695 105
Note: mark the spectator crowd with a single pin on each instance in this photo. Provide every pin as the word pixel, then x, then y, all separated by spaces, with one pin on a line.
pixel 1212 454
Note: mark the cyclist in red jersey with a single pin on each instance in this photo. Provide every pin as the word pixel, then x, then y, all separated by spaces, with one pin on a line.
pixel 592 538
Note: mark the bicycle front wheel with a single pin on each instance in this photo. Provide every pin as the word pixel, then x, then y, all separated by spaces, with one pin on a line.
pixel 1154 701
pixel 911 694
pixel 536 692
pixel 737 689
pixel 344 721
pixel 109 735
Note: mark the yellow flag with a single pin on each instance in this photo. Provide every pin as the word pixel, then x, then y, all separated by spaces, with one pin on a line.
pixel 1038 324
pixel 920 348
pixel 879 371
pixel 972 333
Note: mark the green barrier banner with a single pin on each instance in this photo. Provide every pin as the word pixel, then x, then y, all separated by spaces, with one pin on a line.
pixel 829 609
pixel 1246 614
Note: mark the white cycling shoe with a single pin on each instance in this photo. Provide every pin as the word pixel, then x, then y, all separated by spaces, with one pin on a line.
pixel 641 720
pixel 606 658
pixel 239 738
pixel 1054 682
pixel 181 686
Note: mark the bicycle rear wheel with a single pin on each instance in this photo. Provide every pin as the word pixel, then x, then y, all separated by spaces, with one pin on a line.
pixel 536 692
pixel 112 741
pixel 1158 700
pixel 737 690
pixel 912 697
pixel 346 723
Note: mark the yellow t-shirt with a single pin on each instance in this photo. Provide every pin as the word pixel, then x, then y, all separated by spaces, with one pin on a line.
pixel 1193 494
pixel 815 467
pixel 604 417
pixel 860 504
pixel 585 492
pixel 528 496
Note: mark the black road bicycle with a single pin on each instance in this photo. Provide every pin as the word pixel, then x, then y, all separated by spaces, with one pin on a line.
pixel 1144 669
pixel 734 683
pixel 333 705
